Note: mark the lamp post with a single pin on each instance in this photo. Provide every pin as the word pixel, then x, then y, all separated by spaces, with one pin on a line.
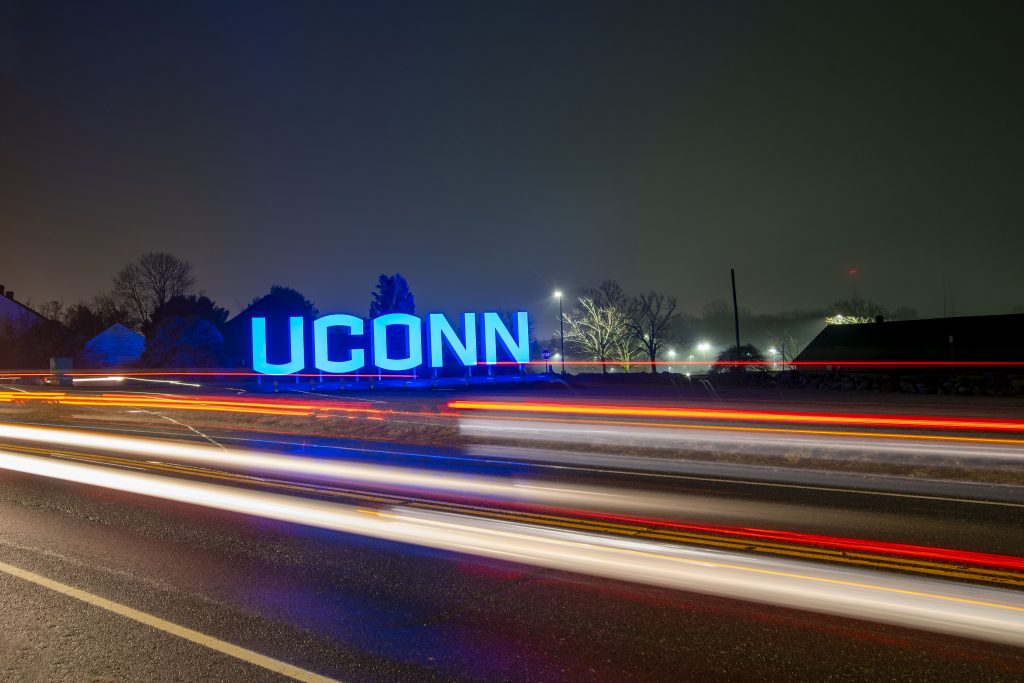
pixel 672 358
pixel 704 347
pixel 561 330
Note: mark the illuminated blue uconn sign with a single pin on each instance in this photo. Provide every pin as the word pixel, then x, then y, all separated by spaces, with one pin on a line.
pixel 409 329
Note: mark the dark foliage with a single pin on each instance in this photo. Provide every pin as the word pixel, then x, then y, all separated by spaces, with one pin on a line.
pixel 747 353
pixel 28 343
pixel 189 307
pixel 185 342
pixel 392 296
pixel 277 306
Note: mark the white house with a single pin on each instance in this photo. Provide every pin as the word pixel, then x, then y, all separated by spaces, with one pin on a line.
pixel 114 347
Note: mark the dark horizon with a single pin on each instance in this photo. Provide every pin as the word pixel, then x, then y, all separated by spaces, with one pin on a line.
pixel 317 147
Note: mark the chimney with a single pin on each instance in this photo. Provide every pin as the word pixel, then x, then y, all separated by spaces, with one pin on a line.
pixel 1 290
pixel 9 294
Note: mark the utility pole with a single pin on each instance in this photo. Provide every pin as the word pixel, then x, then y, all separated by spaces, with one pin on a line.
pixel 561 330
pixel 735 311
pixel 561 334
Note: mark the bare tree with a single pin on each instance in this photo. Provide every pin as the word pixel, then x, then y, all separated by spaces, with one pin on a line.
pixel 53 310
pixel 595 330
pixel 649 319
pixel 626 348
pixel 608 294
pixel 142 287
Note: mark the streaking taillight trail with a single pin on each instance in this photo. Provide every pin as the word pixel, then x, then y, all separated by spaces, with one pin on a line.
pixel 733 415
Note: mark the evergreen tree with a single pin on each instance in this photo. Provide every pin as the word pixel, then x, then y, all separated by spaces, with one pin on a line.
pixel 392 296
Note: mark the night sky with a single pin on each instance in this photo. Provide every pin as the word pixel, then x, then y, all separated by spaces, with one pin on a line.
pixel 493 151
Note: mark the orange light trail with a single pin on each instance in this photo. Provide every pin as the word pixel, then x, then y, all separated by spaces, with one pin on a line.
pixel 873 420
pixel 810 364
pixel 285 407
pixel 774 430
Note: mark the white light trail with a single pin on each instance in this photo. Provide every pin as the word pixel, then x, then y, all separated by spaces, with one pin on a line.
pixel 339 471
pixel 118 379
pixel 893 449
pixel 956 609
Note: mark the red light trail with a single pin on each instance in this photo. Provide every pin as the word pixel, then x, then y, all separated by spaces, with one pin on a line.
pixel 873 420
pixel 964 557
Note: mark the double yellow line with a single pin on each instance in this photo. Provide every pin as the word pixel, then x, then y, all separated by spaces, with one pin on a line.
pixel 874 560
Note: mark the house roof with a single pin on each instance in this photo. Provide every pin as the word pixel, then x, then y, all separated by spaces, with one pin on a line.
pixel 968 338
pixel 116 345
pixel 116 332
pixel 11 308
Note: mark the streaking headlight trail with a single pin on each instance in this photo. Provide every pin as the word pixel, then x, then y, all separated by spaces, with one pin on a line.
pixel 941 606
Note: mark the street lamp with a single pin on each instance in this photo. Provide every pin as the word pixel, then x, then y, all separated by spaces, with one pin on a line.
pixel 704 347
pixel 772 351
pixel 671 357
pixel 561 330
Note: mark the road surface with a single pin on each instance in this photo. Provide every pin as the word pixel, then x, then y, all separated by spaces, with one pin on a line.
pixel 100 582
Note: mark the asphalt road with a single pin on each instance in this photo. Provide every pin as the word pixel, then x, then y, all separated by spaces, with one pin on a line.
pixel 355 608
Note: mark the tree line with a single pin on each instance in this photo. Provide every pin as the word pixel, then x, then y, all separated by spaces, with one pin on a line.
pixel 156 296
pixel 606 324
pixel 609 326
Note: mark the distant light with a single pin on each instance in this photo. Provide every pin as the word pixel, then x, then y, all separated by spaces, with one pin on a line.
pixel 772 351
pixel 840 319
pixel 671 353
pixel 704 346
pixel 558 294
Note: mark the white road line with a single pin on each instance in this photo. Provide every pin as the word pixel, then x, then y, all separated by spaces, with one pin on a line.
pixel 210 642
